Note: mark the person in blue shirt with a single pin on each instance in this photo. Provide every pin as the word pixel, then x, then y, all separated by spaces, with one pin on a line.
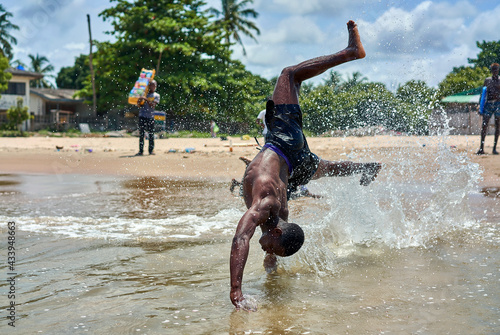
pixel 491 107
pixel 146 117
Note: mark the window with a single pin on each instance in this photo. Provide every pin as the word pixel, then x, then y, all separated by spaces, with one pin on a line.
pixel 16 88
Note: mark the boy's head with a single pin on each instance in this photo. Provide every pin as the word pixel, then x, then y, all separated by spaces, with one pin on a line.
pixel 152 85
pixel 494 68
pixel 283 240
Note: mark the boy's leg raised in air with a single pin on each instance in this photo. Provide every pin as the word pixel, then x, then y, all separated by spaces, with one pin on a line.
pixel 369 171
pixel 288 84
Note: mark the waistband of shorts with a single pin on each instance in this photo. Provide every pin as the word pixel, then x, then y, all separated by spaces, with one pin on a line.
pixel 280 153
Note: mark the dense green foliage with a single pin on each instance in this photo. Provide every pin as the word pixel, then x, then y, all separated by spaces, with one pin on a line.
pixel 6 38
pixel 74 76
pixel 489 54
pixel 355 104
pixel 17 114
pixel 195 73
pixel 4 76
pixel 463 79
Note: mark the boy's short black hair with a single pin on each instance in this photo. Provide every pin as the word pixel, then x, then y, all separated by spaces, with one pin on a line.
pixel 292 237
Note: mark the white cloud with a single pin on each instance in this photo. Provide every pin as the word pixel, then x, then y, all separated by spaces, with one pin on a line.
pixel 295 29
pixel 485 26
pixel 56 29
pixel 427 28
pixel 332 8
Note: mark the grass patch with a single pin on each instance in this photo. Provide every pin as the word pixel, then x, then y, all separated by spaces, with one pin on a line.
pixel 13 133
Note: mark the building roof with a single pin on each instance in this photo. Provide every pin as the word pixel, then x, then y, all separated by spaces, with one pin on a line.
pixel 23 73
pixel 56 95
pixel 462 99
pixel 467 97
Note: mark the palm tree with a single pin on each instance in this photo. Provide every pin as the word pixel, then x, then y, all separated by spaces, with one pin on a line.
pixel 356 79
pixel 40 64
pixel 334 79
pixel 234 20
pixel 6 39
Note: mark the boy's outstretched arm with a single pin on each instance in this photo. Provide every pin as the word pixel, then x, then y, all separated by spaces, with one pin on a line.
pixel 253 217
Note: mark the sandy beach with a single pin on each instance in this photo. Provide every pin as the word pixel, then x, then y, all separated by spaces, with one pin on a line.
pixel 211 158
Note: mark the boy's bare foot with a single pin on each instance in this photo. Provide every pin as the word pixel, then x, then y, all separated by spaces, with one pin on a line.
pixel 354 45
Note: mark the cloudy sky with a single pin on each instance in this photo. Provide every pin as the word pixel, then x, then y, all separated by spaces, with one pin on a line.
pixel 404 39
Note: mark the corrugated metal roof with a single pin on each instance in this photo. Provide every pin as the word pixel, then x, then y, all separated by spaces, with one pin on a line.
pixel 467 97
pixel 464 99
pixel 56 95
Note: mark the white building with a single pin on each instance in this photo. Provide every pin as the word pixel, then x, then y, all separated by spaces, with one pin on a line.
pixel 56 106
pixel 19 87
pixel 47 106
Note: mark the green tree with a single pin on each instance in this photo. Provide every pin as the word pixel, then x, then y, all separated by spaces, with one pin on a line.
pixel 461 79
pixel 356 79
pixel 4 76
pixel 74 76
pixel 364 104
pixel 235 19
pixel 40 64
pixel 334 79
pixel 416 92
pixel 418 101
pixel 490 53
pixel 358 103
pixel 17 114
pixel 196 75
pixel 6 39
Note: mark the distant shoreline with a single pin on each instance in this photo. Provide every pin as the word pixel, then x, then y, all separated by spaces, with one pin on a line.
pixel 212 158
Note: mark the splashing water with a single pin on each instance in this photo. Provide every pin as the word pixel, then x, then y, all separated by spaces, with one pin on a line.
pixel 421 194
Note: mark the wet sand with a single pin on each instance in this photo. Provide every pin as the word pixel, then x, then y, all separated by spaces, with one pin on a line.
pixel 213 158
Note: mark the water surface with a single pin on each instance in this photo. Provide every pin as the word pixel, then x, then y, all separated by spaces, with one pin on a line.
pixel 410 254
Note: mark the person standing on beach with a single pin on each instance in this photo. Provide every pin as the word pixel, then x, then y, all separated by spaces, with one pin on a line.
pixel 491 107
pixel 261 121
pixel 214 129
pixel 284 163
pixel 146 117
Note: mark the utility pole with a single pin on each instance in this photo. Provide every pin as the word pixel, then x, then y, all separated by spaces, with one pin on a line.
pixel 94 105
pixel 158 64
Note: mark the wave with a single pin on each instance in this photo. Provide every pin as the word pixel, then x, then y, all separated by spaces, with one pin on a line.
pixel 123 229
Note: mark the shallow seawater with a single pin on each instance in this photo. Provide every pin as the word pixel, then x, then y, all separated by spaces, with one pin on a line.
pixel 112 255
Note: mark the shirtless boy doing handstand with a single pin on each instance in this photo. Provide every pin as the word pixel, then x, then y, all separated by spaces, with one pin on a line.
pixel 284 163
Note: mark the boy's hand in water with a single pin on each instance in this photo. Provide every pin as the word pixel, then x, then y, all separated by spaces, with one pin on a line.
pixel 236 297
pixel 240 302
pixel 370 172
